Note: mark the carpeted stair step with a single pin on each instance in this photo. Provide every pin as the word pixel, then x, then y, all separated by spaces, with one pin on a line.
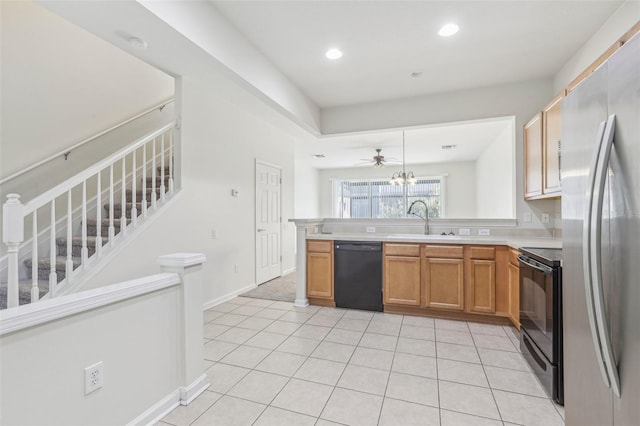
pixel 139 194
pixel 76 245
pixel 44 267
pixel 117 209
pixel 158 181
pixel 24 292
pixel 92 227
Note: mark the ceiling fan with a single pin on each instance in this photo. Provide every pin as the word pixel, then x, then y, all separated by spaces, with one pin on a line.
pixel 378 160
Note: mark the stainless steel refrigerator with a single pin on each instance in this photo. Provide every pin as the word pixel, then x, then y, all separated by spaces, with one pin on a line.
pixel 600 170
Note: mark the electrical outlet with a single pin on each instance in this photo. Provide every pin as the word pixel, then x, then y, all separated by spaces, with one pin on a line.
pixel 371 229
pixel 527 217
pixel 484 232
pixel 214 234
pixel 93 377
pixel 236 268
pixel 464 231
pixel 544 218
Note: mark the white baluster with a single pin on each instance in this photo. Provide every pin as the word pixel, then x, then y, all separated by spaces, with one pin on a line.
pixel 134 196
pixel 69 264
pixel 154 197
pixel 171 161
pixel 123 207
pixel 162 187
pixel 53 274
pixel 12 236
pixel 144 180
pixel 35 290
pixel 99 216
pixel 84 253
pixel 112 229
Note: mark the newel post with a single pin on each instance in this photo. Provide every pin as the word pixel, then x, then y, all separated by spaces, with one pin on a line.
pixel 12 236
pixel 193 381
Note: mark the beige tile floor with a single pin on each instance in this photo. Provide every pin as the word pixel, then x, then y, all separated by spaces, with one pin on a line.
pixel 272 364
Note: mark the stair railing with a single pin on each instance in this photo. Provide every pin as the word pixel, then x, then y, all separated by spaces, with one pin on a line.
pixel 16 216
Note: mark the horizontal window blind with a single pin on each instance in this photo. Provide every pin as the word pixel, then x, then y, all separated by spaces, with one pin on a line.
pixel 377 198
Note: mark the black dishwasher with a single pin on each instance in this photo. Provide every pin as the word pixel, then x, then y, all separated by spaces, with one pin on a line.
pixel 357 277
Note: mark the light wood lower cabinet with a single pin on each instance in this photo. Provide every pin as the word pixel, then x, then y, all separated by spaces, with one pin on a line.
pixel 444 283
pixel 514 289
pixel 320 269
pixel 482 286
pixel 401 280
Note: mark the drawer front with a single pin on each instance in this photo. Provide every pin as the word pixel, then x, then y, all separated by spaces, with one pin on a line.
pixel 484 253
pixel 393 249
pixel 446 252
pixel 317 246
pixel 513 257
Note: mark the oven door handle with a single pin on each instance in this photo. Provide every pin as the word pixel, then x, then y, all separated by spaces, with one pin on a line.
pixel 596 257
pixel 541 268
pixel 587 258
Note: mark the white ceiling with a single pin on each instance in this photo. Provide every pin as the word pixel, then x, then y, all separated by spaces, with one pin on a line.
pixel 423 145
pixel 385 41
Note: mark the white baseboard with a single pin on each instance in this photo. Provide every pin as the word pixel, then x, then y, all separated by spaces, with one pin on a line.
pixel 180 396
pixel 158 410
pixel 288 271
pixel 191 392
pixel 228 296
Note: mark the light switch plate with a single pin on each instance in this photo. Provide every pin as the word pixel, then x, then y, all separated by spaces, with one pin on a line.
pixel 464 231
pixel 371 229
pixel 484 232
pixel 527 217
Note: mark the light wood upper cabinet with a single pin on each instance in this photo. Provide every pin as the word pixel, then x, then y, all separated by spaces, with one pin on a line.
pixel 533 157
pixel 552 129
pixel 542 152
pixel 444 283
pixel 320 269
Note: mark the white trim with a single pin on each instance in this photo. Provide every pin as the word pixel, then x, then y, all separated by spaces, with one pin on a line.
pixel 182 260
pixel 26 316
pixel 266 163
pixel 210 304
pixel 191 392
pixel 158 410
pixel 288 271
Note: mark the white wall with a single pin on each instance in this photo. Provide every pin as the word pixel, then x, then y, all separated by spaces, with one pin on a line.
pixel 627 15
pixel 61 84
pixel 521 100
pixel 137 340
pixel 306 190
pixel 459 200
pixel 220 143
pixel 495 174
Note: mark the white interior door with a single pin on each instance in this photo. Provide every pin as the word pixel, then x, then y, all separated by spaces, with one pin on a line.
pixel 268 218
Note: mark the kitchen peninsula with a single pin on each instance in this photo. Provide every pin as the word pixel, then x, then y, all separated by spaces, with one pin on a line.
pixel 471 277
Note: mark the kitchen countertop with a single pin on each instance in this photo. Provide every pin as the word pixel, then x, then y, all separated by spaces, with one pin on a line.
pixel 514 242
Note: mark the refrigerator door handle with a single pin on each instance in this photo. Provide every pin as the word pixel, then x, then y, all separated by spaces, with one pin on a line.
pixel 586 254
pixel 596 257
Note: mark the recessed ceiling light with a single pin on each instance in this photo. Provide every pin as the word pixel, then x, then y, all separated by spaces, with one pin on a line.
pixel 318 155
pixel 448 30
pixel 333 54
pixel 448 146
pixel 416 74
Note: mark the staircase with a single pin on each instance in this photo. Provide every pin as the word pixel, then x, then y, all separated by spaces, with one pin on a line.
pixel 80 240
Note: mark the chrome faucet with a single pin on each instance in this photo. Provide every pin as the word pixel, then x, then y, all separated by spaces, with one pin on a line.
pixel 426 214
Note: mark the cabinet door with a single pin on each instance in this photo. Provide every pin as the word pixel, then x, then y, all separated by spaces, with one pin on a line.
pixel 533 157
pixel 401 280
pixel 514 294
pixel 320 275
pixel 444 283
pixel 552 121
pixel 482 286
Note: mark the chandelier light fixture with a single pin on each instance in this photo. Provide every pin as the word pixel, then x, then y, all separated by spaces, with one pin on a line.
pixel 401 178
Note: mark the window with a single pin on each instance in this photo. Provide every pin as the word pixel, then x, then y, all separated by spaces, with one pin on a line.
pixel 377 198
